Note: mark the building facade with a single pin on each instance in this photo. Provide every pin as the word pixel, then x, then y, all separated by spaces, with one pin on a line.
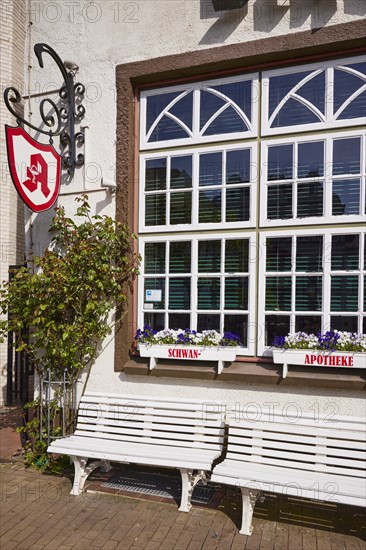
pixel 236 140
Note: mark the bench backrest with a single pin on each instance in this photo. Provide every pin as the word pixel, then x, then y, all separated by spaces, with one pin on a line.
pixel 175 422
pixel 336 446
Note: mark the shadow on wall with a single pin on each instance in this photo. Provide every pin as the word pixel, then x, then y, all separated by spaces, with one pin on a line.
pixel 225 24
pixel 265 15
pixel 354 7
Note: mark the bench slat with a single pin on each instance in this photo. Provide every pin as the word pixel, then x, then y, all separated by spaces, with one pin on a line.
pixel 189 416
pixel 237 436
pixel 166 418
pixel 165 426
pixel 285 476
pixel 146 434
pixel 305 431
pixel 319 461
pixel 304 426
pixel 238 444
pixel 142 441
pixel 145 403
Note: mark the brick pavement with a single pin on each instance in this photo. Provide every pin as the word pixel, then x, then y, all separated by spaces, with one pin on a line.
pixel 37 512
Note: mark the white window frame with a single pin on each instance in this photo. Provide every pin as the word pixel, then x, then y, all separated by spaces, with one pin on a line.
pixel 194 275
pixel 329 119
pixel 326 313
pixel 328 218
pixel 195 225
pixel 196 136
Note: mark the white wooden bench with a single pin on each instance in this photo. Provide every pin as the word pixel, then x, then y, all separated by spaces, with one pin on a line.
pixel 187 435
pixel 321 460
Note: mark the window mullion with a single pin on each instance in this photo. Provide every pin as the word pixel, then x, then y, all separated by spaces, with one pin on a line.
pixel 194 282
pixel 196 113
pixel 293 287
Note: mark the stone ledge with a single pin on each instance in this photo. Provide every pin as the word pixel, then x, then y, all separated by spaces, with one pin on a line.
pixel 252 373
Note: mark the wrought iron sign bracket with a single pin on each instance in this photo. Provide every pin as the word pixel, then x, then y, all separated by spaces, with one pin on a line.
pixel 59 120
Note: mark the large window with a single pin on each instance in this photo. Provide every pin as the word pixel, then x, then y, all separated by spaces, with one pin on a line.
pixel 200 282
pixel 256 228
pixel 312 280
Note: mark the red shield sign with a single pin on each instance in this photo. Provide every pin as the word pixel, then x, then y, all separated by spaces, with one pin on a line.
pixel 35 169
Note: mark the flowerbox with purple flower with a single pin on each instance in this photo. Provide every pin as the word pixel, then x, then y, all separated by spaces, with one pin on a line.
pixel 333 349
pixel 187 344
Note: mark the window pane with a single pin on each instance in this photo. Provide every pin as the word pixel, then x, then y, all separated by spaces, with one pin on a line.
pixel 179 293
pixel 355 108
pixel 236 255
pixel 344 293
pixel 344 323
pixel 208 321
pixel 310 199
pixel 155 210
pixel 276 325
pixel 309 293
pixel 156 104
pixel 345 252
pixel 155 283
pixel 278 293
pixel 237 324
pixel 346 156
pixel 346 197
pixel 209 104
pixel 208 293
pixel 237 204
pixel 210 169
pixel 226 122
pixel 279 202
pixel 345 84
pixel 179 320
pixel 278 256
pixel 180 208
pixel 155 174
pixel 280 162
pixel 309 254
pixel 280 86
pixel 209 256
pixel 209 206
pixel 311 324
pixel 238 166
pixel 181 172
pixel 314 91
pixel 183 109
pixel 236 293
pixel 167 129
pixel 294 113
pixel 155 258
pixel 155 320
pixel 311 159
pixel 239 92
pixel 180 257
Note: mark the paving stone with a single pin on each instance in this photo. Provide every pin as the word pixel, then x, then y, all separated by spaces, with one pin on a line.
pixel 41 515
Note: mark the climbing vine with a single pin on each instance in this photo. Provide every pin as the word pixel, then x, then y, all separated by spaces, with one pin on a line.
pixel 66 300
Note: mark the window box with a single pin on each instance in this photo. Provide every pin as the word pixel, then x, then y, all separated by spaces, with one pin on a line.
pixel 195 353
pixel 310 357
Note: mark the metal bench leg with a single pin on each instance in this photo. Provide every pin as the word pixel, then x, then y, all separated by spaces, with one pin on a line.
pixel 82 471
pixel 189 481
pixel 249 497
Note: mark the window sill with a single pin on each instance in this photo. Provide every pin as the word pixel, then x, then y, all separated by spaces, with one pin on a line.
pixel 252 372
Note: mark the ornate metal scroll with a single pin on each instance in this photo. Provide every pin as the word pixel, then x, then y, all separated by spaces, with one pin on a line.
pixel 58 120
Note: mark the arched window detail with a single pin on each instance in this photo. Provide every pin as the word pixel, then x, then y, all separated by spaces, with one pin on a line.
pixel 314 97
pixel 223 109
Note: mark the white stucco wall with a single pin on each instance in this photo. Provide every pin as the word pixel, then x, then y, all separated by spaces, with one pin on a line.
pixel 98 36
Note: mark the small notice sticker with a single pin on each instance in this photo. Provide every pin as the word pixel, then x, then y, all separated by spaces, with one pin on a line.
pixel 147 305
pixel 153 296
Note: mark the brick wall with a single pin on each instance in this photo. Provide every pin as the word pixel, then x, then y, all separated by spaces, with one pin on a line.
pixel 12 47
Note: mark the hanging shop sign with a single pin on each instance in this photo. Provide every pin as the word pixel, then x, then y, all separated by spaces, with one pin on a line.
pixel 36 167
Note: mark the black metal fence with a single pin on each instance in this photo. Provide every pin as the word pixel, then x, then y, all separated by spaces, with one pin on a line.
pixel 20 371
